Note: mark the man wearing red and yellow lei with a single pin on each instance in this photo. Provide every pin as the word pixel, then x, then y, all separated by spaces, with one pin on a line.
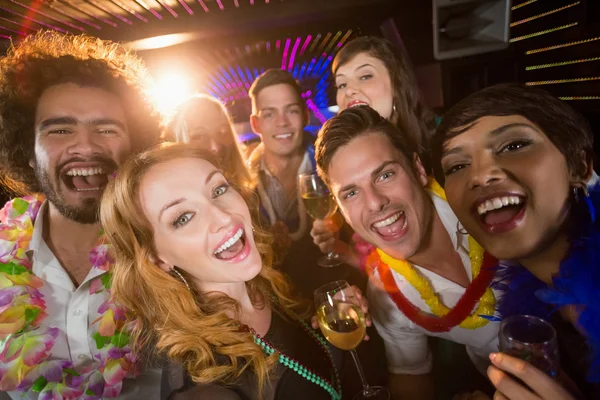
pixel 71 110
pixel 427 276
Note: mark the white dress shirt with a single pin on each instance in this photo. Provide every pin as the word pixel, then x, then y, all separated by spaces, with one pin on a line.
pixel 72 310
pixel 405 342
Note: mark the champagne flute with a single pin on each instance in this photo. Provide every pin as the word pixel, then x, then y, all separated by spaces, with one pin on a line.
pixel 531 339
pixel 343 324
pixel 319 204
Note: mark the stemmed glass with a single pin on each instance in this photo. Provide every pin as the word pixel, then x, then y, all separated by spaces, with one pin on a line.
pixel 343 324
pixel 319 204
pixel 531 339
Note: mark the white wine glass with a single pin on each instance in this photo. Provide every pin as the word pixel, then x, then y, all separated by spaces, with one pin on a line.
pixel 319 204
pixel 343 324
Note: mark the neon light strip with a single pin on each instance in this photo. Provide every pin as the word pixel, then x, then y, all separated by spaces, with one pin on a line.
pixel 544 14
pixel 580 98
pixel 81 10
pixel 556 81
pixel 522 4
pixel 149 9
pixel 169 9
pixel 560 46
pixel 560 64
pixel 88 23
pixel 306 42
pixel 324 42
pixel 201 2
pixel 5 37
pixel 79 28
pixel 13 31
pixel 35 20
pixel 187 8
pixel 98 6
pixel 294 51
pixel 16 23
pixel 315 110
pixel 346 36
pixel 285 52
pixel 558 28
pixel 220 4
pixel 237 4
pixel 314 45
pixel 333 42
pixel 129 10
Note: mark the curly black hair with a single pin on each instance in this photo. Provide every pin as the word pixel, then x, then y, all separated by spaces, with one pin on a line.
pixel 49 58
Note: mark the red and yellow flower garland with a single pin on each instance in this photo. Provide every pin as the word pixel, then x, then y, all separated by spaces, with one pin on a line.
pixel 479 291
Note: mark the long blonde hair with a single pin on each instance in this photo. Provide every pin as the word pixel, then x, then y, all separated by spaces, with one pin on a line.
pixel 192 328
pixel 177 131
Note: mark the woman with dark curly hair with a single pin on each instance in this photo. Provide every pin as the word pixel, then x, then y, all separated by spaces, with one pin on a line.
pixel 72 108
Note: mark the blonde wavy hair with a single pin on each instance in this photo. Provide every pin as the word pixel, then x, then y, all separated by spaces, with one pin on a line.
pixel 190 327
pixel 235 164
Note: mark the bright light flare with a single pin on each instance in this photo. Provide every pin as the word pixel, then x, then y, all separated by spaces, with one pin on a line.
pixel 171 90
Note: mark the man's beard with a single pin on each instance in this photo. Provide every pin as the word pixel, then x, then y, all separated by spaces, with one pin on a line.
pixel 87 213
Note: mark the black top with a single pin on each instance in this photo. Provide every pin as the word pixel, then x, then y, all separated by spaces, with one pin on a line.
pixel 290 338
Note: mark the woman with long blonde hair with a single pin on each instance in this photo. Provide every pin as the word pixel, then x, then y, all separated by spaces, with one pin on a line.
pixel 195 273
pixel 203 120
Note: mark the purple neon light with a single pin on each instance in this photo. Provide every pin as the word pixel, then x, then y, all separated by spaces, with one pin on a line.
pixel 4 37
pixel 88 23
pixel 149 9
pixel 277 44
pixel 98 6
pixel 285 52
pixel 203 5
pixel 315 110
pixel 79 28
pixel 13 31
pixel 187 8
pixel 56 28
pixel 129 10
pixel 268 46
pixel 251 2
pixel 169 9
pixel 220 4
pixel 236 3
pixel 247 49
pixel 305 45
pixel 293 56
pixel 16 23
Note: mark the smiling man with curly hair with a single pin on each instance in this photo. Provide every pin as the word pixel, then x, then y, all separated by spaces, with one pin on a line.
pixel 72 109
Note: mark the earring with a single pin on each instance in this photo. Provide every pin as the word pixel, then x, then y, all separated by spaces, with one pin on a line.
pixel 180 277
pixel 394 106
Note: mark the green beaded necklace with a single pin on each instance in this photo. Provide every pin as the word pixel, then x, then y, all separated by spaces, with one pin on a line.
pixel 335 392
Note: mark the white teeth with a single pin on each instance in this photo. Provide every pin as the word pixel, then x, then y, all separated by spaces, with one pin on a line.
pixel 359 103
pixel 387 221
pixel 87 190
pixel 284 136
pixel 85 171
pixel 497 203
pixel 230 242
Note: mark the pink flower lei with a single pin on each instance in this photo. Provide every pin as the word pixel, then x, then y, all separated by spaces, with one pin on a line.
pixel 26 346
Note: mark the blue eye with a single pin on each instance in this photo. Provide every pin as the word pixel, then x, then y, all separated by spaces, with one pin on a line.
pixel 183 219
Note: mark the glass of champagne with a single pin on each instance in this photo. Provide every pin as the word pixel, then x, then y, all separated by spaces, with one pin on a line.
pixel 343 324
pixel 531 339
pixel 319 204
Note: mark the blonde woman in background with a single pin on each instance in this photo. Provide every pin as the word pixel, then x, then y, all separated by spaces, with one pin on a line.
pixel 203 120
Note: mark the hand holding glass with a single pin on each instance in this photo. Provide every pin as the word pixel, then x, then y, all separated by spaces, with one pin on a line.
pixel 319 204
pixel 531 339
pixel 343 324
